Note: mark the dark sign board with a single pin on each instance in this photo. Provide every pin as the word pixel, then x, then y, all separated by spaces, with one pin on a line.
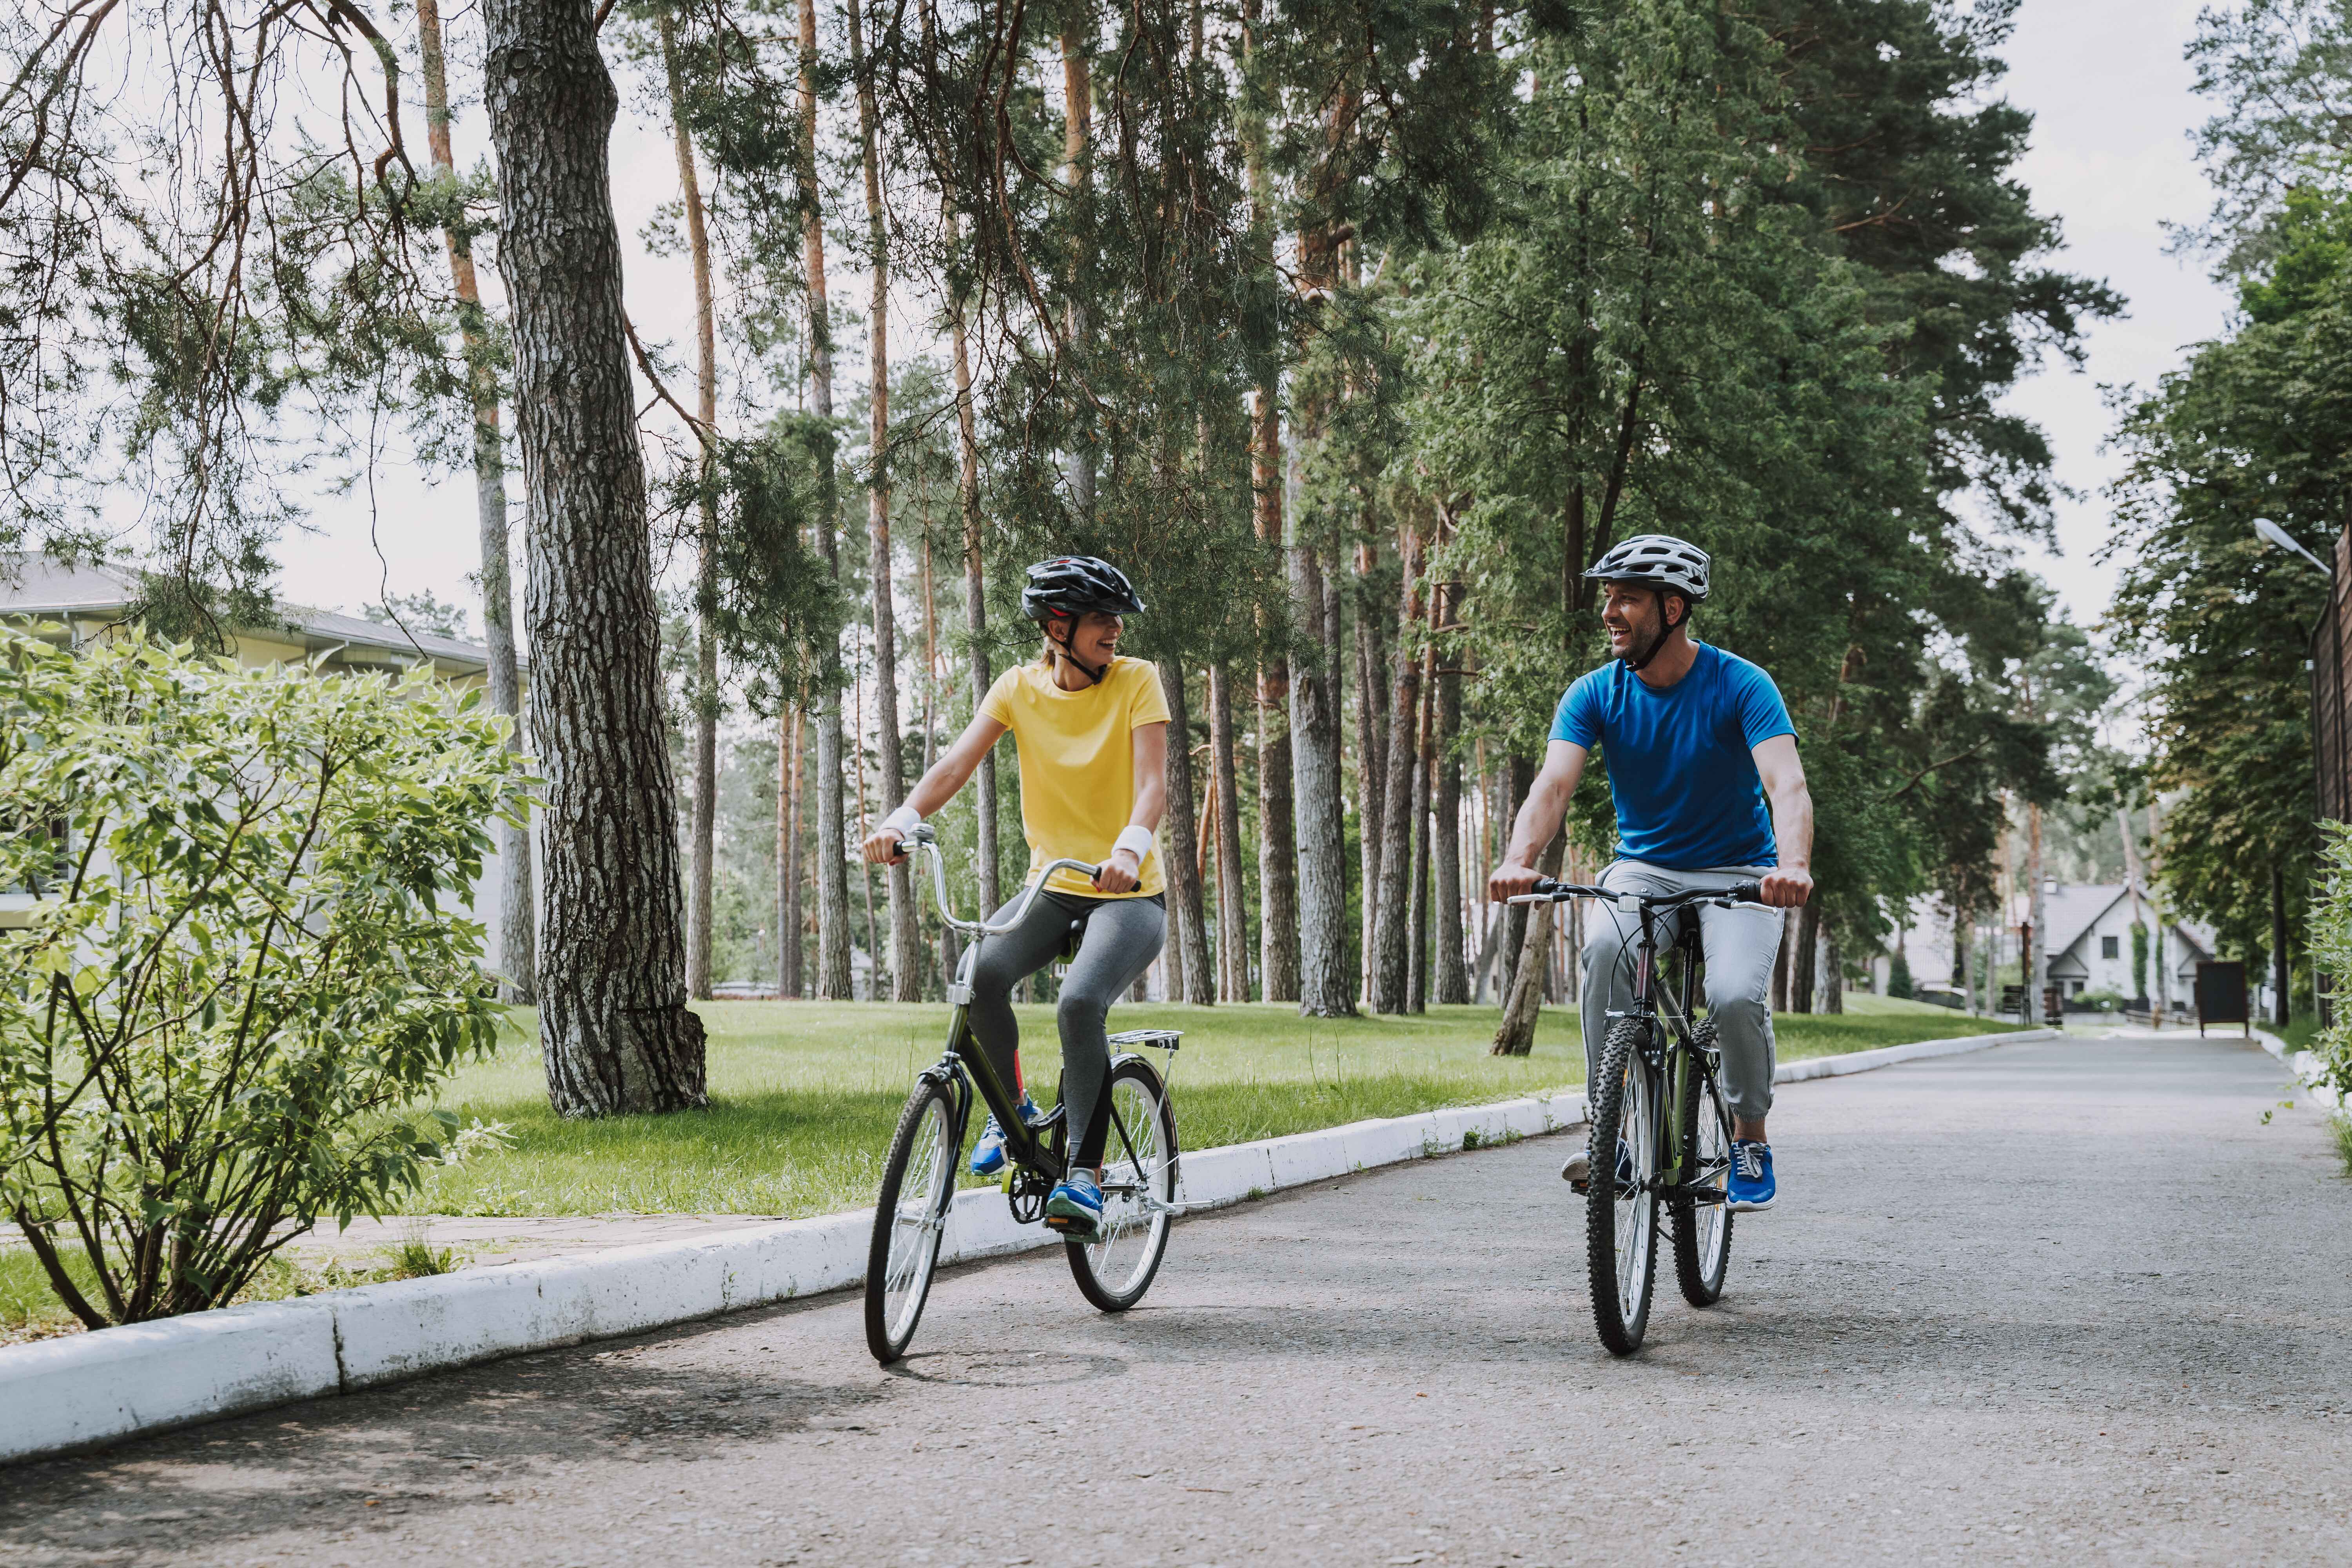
pixel 2221 994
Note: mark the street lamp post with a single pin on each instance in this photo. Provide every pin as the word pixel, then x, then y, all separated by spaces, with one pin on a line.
pixel 2271 534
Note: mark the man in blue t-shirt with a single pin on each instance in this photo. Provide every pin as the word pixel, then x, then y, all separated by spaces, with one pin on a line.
pixel 1703 766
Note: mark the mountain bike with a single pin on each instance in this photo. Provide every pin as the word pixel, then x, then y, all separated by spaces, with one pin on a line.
pixel 1115 1265
pixel 1659 1122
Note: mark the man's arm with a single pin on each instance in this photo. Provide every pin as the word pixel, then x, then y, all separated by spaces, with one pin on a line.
pixel 1538 819
pixel 1792 882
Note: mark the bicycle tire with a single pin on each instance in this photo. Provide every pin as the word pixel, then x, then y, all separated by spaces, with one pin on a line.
pixel 1115 1268
pixel 904 1255
pixel 1621 1223
pixel 1702 1232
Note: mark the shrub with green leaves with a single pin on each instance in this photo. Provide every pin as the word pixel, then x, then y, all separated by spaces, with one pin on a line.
pixel 248 959
pixel 2330 939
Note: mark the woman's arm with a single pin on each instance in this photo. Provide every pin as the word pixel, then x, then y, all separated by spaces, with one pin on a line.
pixel 1124 869
pixel 884 846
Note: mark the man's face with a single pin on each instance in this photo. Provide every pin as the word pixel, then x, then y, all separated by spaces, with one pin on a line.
pixel 1634 615
pixel 1094 640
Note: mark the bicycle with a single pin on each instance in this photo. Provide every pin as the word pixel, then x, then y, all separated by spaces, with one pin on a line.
pixel 1114 1265
pixel 1656 1085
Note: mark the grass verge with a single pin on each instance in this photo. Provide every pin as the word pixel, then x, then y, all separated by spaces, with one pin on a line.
pixel 804 1095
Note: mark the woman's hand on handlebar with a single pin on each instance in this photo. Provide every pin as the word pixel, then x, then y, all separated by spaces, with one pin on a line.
pixel 884 846
pixel 1120 873
pixel 1509 881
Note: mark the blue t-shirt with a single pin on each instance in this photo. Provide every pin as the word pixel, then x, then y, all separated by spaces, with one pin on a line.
pixel 1687 793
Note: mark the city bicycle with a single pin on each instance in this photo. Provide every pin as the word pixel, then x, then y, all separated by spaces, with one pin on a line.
pixel 1661 1131
pixel 1113 1266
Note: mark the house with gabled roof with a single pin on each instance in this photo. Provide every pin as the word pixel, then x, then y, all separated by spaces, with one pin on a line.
pixel 2089 939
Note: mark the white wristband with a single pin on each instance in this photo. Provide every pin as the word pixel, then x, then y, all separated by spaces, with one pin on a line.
pixel 903 821
pixel 1138 839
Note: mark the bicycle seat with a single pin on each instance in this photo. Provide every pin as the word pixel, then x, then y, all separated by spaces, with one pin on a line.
pixel 1072 937
pixel 1158 1039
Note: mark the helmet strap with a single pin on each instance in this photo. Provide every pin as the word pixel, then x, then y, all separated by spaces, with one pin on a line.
pixel 1640 658
pixel 1062 650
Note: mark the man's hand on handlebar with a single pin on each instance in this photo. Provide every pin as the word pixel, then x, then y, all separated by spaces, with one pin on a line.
pixel 1509 881
pixel 1786 888
pixel 885 846
pixel 1119 874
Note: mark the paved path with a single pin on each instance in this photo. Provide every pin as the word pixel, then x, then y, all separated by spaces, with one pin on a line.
pixel 2061 1300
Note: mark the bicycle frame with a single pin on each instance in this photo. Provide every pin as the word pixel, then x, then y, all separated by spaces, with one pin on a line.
pixel 1671 1048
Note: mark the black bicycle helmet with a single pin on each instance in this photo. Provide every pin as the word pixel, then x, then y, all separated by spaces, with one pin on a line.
pixel 1068 586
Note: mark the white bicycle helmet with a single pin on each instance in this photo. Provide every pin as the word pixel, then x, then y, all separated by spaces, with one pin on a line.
pixel 1658 560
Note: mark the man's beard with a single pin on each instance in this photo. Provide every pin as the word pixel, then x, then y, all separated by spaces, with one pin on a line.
pixel 1640 651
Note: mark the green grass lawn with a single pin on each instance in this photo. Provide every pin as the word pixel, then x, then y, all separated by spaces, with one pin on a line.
pixel 804 1095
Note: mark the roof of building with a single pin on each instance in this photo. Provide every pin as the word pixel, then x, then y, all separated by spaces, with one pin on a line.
pixel 33 585
pixel 2069 911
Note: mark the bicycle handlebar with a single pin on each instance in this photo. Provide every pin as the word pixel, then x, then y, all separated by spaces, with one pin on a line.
pixel 925 837
pixel 1548 891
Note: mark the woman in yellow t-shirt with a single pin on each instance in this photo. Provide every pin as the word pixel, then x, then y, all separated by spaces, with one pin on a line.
pixel 1091 729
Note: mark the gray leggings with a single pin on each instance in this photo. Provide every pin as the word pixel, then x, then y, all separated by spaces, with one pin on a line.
pixel 1123 936
pixel 1740 945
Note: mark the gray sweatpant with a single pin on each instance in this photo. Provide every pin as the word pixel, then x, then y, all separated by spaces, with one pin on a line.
pixel 1740 945
pixel 1123 936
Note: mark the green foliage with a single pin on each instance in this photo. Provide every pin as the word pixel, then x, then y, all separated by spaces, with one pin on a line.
pixel 423 613
pixel 2257 424
pixel 2139 958
pixel 1898 977
pixel 244 967
pixel 2329 933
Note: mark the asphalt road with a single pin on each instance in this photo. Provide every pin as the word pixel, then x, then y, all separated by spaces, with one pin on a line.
pixel 2071 1300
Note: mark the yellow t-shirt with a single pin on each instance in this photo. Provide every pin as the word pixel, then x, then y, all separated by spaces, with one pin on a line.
pixel 1077 763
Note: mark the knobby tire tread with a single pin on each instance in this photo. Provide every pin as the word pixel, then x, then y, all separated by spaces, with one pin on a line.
pixel 1624 1037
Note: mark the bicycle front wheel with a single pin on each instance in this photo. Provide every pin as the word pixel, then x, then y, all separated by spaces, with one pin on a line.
pixel 1702 1231
pixel 1620 1214
pixel 1139 1188
pixel 910 1218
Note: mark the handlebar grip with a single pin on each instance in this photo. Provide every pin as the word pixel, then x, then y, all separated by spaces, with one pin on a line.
pixel 1745 892
pixel 1546 887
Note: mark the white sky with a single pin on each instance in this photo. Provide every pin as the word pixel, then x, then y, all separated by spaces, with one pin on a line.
pixel 2104 78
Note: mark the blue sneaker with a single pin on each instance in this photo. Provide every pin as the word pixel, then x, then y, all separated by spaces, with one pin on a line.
pixel 1752 1187
pixel 988 1154
pixel 1077 1203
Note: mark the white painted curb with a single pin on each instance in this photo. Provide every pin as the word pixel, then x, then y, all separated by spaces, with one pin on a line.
pixel 2308 1070
pixel 1887 1056
pixel 81 1391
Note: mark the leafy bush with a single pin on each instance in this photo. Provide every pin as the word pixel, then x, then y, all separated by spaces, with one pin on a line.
pixel 239 975
pixel 2330 942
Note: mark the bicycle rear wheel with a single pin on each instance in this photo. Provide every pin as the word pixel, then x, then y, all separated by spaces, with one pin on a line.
pixel 910 1218
pixel 1620 1204
pixel 1702 1231
pixel 1139 1186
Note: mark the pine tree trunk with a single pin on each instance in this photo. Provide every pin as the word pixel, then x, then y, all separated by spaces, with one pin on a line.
pixel 1802 958
pixel 706 606
pixel 1077 107
pixel 906 938
pixel 1232 919
pixel 975 600
pixel 1416 970
pixel 1326 985
pixel 518 895
pixel 788 857
pixel 832 939
pixel 614 1028
pixel 1394 916
pixel 1832 976
pixel 1180 860
pixel 1522 778
pixel 1453 974
pixel 1277 838
pixel 1371 769
pixel 1523 1003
